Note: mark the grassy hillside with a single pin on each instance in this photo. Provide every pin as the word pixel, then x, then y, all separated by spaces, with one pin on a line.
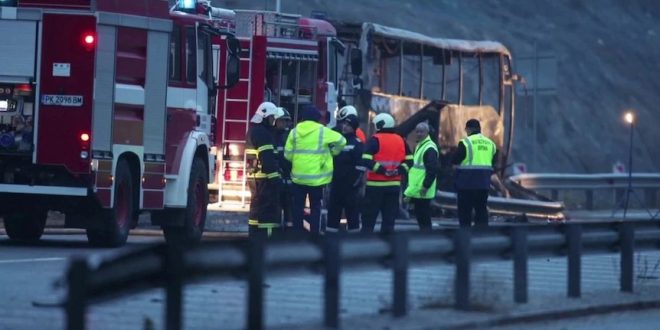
pixel 607 56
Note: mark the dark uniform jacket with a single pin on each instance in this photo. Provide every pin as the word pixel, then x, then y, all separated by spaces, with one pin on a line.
pixel 471 179
pixel 284 164
pixel 260 153
pixel 348 169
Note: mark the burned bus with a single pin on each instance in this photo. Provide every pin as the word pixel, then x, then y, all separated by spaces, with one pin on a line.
pixel 420 78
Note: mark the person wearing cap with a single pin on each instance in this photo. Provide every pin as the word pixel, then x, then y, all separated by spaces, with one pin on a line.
pixel 349 110
pixel 422 176
pixel 386 156
pixel 346 179
pixel 310 147
pixel 282 129
pixel 475 157
pixel 263 177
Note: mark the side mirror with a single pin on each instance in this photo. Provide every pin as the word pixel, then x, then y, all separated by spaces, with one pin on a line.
pixel 233 71
pixel 233 62
pixel 234 46
pixel 356 61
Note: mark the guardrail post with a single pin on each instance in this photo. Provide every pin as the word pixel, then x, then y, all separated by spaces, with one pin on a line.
pixel 462 276
pixel 589 199
pixel 76 300
pixel 650 196
pixel 519 243
pixel 619 194
pixel 574 242
pixel 554 193
pixel 627 241
pixel 399 248
pixel 174 272
pixel 331 286
pixel 255 256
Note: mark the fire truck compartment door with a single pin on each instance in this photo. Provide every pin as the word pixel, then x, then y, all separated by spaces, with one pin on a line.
pixel 18 53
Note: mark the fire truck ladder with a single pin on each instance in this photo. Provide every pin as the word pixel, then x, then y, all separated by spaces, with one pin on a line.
pixel 236 183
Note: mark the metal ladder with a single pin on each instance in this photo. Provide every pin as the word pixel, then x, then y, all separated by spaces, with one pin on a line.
pixel 234 129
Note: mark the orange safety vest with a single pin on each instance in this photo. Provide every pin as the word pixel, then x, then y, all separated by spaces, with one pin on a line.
pixel 360 135
pixel 391 153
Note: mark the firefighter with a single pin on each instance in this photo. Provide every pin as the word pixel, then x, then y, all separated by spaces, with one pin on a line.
pixel 349 110
pixel 475 154
pixel 386 156
pixel 263 177
pixel 346 179
pixel 310 147
pixel 422 176
pixel 283 127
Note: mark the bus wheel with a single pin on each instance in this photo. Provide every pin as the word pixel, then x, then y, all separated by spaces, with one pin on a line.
pixel 26 226
pixel 111 226
pixel 194 215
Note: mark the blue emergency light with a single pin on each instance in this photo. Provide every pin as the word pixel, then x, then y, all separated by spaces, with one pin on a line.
pixel 187 4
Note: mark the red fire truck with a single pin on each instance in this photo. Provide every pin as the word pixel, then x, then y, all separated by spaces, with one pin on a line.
pixel 288 59
pixel 107 110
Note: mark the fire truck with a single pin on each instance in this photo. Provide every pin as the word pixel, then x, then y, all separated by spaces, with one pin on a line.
pixel 107 111
pixel 288 59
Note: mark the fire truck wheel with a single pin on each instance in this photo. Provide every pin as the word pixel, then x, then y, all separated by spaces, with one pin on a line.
pixel 112 225
pixel 194 216
pixel 26 226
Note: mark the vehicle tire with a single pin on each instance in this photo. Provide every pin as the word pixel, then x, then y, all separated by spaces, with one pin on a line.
pixel 26 226
pixel 194 215
pixel 111 226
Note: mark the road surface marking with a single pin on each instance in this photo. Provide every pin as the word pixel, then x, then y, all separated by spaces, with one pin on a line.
pixel 15 261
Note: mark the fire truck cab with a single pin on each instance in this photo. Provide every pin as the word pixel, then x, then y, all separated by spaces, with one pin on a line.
pixel 107 110
pixel 290 60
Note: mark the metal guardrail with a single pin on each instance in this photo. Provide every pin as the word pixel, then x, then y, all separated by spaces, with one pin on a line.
pixel 509 206
pixel 170 266
pixel 555 182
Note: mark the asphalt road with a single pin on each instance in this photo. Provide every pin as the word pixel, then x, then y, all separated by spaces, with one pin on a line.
pixel 28 298
pixel 632 320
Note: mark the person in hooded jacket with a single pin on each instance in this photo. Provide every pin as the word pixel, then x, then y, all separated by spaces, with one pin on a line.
pixel 263 176
pixel 346 179
pixel 310 147
pixel 282 129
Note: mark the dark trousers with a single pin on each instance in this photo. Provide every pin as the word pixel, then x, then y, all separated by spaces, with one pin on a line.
pixel 472 200
pixel 384 200
pixel 286 203
pixel 264 214
pixel 300 193
pixel 343 197
pixel 423 213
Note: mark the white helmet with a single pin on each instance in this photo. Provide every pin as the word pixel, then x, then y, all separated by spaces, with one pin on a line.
pixel 346 111
pixel 264 110
pixel 282 113
pixel 383 120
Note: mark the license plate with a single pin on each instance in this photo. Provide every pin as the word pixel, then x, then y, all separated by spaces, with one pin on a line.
pixel 62 100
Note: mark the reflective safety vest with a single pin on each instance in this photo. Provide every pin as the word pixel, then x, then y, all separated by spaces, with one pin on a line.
pixel 417 173
pixel 310 147
pixel 475 170
pixel 360 135
pixel 391 153
pixel 479 152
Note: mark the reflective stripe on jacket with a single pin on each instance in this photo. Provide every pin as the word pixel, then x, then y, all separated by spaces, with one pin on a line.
pixel 310 147
pixel 475 170
pixel 260 153
pixel 417 173
pixel 391 153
